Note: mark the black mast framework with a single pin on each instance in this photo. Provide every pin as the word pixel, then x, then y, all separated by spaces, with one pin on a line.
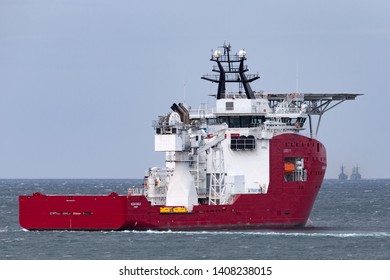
pixel 231 69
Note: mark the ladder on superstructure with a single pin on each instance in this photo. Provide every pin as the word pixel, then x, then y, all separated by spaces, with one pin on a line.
pixel 217 175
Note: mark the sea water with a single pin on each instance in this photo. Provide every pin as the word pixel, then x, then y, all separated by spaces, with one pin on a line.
pixel 350 220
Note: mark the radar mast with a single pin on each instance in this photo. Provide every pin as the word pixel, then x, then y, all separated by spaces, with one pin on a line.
pixel 231 69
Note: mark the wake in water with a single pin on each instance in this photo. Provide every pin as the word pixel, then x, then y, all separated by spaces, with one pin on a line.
pixel 271 233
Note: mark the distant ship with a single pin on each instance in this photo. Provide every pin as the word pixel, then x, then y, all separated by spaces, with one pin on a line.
pixel 355 174
pixel 342 175
pixel 243 164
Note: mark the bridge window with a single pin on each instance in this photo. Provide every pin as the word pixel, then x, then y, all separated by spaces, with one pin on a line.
pixel 241 121
pixel 294 121
pixel 234 122
pixel 257 120
pixel 245 121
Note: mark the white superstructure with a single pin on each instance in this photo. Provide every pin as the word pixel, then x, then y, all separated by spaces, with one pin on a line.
pixel 215 154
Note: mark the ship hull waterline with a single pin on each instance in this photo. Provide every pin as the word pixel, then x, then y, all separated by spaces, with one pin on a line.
pixel 285 205
pixel 135 213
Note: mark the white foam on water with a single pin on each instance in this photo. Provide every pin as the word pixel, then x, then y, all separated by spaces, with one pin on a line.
pixel 271 233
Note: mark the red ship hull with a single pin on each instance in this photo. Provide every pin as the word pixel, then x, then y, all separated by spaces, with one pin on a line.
pixel 286 204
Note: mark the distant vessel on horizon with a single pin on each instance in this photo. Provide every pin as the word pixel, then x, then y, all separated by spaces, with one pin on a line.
pixel 342 175
pixel 354 176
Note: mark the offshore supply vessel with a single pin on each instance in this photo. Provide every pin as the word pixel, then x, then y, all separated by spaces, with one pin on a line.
pixel 244 164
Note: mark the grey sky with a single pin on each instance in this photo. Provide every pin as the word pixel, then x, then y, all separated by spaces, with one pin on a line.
pixel 82 80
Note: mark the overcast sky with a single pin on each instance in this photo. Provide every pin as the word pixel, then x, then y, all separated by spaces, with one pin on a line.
pixel 82 80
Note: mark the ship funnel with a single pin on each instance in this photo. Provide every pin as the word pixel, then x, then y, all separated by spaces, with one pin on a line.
pixel 182 111
pixel 186 114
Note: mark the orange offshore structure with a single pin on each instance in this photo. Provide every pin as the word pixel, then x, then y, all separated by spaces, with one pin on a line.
pixel 244 164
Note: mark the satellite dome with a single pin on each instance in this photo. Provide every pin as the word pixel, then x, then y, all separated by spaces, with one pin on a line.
pixel 242 53
pixel 217 53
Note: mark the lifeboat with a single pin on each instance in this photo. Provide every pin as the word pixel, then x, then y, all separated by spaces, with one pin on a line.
pixel 289 167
